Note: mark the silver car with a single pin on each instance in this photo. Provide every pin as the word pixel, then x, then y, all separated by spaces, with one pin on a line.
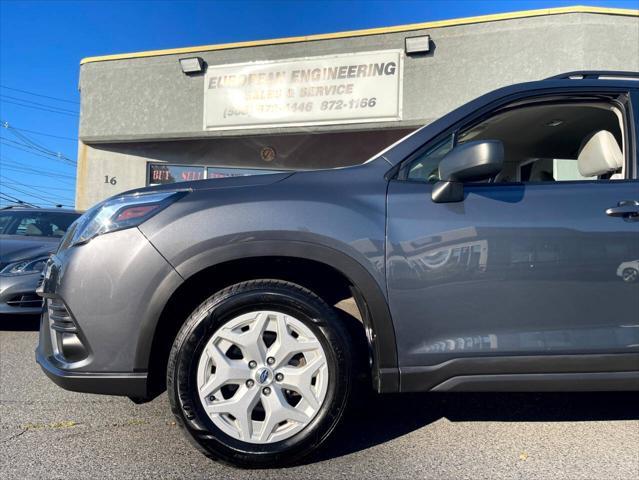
pixel 27 237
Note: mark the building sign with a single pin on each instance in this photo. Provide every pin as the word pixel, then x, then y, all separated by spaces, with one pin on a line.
pixel 350 88
pixel 161 173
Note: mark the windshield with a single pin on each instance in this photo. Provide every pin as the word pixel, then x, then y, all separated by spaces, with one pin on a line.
pixel 36 224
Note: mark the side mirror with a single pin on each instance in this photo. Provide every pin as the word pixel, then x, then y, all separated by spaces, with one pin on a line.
pixel 468 162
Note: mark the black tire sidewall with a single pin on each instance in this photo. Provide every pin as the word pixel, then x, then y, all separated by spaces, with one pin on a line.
pixel 216 312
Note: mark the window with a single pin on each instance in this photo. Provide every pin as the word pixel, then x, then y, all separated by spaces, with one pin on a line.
pixel 27 226
pixel 425 166
pixel 37 224
pixel 160 173
pixel 218 172
pixel 543 142
pixel 551 169
pixel 4 223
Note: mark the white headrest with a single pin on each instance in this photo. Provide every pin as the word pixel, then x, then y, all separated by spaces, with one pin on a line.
pixel 600 155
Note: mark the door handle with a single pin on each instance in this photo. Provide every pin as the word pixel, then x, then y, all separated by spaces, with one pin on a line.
pixel 626 209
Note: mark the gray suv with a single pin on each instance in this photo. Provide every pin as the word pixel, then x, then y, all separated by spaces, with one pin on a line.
pixel 480 253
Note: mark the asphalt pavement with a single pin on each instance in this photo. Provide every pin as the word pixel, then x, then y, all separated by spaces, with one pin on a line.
pixel 46 432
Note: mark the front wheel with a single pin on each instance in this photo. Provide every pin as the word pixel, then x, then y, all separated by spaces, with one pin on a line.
pixel 260 373
pixel 630 275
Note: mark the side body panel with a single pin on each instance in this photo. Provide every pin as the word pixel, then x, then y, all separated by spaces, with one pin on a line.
pixel 519 286
pixel 513 269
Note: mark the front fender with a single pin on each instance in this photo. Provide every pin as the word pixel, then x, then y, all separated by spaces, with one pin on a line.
pixel 334 217
pixel 369 294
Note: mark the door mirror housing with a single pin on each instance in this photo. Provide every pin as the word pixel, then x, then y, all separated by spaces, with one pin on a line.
pixel 468 162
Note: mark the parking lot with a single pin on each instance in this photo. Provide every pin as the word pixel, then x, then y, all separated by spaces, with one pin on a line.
pixel 46 432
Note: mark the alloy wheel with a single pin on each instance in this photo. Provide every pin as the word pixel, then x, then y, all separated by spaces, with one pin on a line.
pixel 262 377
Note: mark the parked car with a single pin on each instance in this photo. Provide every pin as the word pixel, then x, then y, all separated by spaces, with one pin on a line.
pixel 629 271
pixel 458 244
pixel 27 237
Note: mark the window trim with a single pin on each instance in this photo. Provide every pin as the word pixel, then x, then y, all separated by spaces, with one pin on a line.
pixel 633 115
pixel 621 98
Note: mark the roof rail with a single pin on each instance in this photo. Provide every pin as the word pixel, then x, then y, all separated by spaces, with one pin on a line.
pixel 594 74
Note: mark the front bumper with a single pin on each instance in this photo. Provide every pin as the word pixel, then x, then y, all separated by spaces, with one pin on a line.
pixel 103 300
pixel 129 384
pixel 18 295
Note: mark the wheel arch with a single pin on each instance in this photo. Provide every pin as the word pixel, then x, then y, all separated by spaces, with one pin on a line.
pixel 256 259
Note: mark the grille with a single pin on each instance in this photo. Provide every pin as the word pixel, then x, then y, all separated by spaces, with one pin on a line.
pixel 25 301
pixel 60 317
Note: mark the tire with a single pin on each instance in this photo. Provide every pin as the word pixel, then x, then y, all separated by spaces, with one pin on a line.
pixel 630 275
pixel 251 440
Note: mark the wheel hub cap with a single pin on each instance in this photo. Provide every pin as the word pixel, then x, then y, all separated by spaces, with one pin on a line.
pixel 262 377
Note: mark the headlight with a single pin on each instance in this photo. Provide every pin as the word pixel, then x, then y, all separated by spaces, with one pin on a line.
pixel 25 267
pixel 122 212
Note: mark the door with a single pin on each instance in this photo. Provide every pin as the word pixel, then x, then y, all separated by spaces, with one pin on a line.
pixel 524 266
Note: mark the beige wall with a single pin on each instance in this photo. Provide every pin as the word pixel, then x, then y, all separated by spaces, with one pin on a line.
pixel 94 164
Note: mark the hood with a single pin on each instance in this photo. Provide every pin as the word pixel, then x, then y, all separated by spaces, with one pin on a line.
pixel 215 183
pixel 14 248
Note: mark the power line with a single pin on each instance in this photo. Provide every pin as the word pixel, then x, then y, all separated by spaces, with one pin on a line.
pixel 12 199
pixel 29 185
pixel 35 204
pixel 11 181
pixel 27 149
pixel 40 173
pixel 19 167
pixel 30 145
pixel 29 142
pixel 39 95
pixel 24 140
pixel 39 192
pixel 33 132
pixel 64 180
pixel 31 102
pixel 40 108
pixel 33 151
pixel 40 197
pixel 46 173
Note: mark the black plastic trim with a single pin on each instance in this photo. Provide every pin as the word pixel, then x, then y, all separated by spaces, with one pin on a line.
pixel 542 382
pixel 435 377
pixel 593 74
pixel 111 383
pixel 378 320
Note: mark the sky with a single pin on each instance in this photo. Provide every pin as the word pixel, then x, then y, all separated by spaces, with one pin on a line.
pixel 42 43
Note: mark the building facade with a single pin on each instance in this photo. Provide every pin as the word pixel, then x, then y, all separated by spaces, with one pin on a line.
pixel 321 101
